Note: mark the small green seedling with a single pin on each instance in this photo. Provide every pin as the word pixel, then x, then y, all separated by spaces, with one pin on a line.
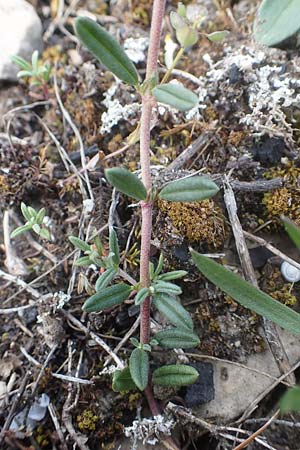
pixel 34 222
pixel 38 73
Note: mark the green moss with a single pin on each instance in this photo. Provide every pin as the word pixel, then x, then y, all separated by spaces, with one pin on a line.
pixel 87 421
pixel 197 221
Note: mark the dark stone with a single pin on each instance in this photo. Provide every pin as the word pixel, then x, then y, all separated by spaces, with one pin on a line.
pixel 203 390
pixel 181 252
pixel 259 256
pixel 235 75
pixel 268 151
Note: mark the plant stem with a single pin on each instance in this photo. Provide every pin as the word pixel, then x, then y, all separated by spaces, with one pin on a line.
pixel 174 64
pixel 147 105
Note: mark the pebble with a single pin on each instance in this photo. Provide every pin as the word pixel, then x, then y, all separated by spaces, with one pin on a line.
pixel 290 272
pixel 20 34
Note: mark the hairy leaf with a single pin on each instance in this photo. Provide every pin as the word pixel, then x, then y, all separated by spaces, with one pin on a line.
pixel 174 275
pixel 167 288
pixel 107 298
pixel 177 338
pixel 122 381
pixel 139 368
pixel 175 375
pixel 104 47
pixel 114 246
pixel 176 96
pixel 105 278
pixel 79 243
pixel 189 189
pixel 246 294
pixel 173 311
pixel 126 182
pixel 141 296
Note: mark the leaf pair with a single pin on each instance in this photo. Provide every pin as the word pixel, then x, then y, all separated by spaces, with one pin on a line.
pixel 170 375
pixel 34 221
pixel 190 189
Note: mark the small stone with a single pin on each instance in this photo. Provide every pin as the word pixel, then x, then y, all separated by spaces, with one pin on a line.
pixel 20 34
pixel 203 390
pixel 290 272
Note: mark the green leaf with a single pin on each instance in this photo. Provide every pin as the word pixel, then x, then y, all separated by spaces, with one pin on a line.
pixel 32 212
pixel 40 216
pixel 276 20
pixel 104 279
pixel 189 189
pixel 80 244
pixel 21 62
pixel 105 48
pixel 159 265
pixel 122 381
pixel 176 96
pixel 25 211
pixel 290 402
pixel 139 368
pixel 217 36
pixel 83 261
pixel 126 182
pixel 246 294
pixel 24 73
pixel 187 36
pixel 114 246
pixel 174 311
pixel 35 61
pixel 36 228
pixel 174 275
pixel 107 298
pixel 44 234
pixel 141 296
pixel 177 338
pixel 167 288
pixel 175 375
pixel 292 230
pixel 98 245
pixel 20 230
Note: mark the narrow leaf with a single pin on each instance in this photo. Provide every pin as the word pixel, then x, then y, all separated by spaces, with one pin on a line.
pixel 167 288
pixel 246 294
pixel 21 62
pixel 24 73
pixel 126 182
pixel 174 275
pixel 141 296
pixel 189 189
pixel 159 265
pixel 174 311
pixel 32 212
pixel 122 381
pixel 107 298
pixel 175 375
pixel 20 230
pixel 40 216
pixel 114 246
pixel 104 279
pixel 177 338
pixel 80 244
pixel 290 401
pixel 176 96
pixel 139 368
pixel 105 48
pixel 25 211
pixel 35 61
pixel 292 230
pixel 36 228
pixel 84 261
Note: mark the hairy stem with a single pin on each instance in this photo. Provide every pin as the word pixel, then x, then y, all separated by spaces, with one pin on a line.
pixel 147 105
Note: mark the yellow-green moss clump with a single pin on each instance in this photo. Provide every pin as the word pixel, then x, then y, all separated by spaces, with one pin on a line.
pixel 197 221
pixel 284 201
pixel 277 288
pixel 87 421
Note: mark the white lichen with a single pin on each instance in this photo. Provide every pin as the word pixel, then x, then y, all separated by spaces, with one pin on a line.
pixel 135 48
pixel 148 431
